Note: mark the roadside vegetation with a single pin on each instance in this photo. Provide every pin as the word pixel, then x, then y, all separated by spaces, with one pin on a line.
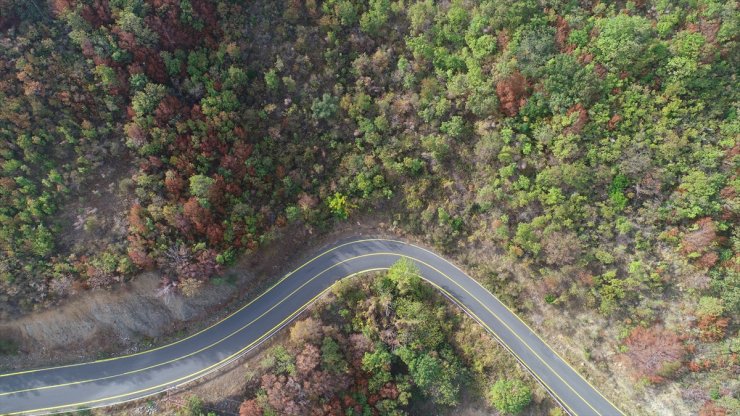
pixel 590 149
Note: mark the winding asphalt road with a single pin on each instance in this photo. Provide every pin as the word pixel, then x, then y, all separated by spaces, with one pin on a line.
pixel 117 380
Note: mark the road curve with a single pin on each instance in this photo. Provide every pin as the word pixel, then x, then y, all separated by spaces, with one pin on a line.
pixel 121 379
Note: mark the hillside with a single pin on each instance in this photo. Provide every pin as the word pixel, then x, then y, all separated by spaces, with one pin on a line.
pixel 580 158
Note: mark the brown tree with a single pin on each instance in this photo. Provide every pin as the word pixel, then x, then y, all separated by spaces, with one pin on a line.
pixel 580 120
pixel 284 394
pixel 512 93
pixel 711 409
pixel 135 220
pixel 712 322
pixel 359 344
pixel 174 183
pixel 654 353
pixel 713 328
pixel 308 359
pixel 561 248
pixel 215 234
pixel 169 107
pixel 59 7
pixel 306 330
pixel 195 213
pixel 181 263
pixel 613 122
pixel 561 35
pixel 250 408
pixel 138 254
pixel 702 238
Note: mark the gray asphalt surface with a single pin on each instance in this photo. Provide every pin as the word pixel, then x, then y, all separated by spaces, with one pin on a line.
pixel 127 378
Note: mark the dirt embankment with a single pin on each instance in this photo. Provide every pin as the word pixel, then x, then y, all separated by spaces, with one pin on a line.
pixel 134 317
pixel 105 322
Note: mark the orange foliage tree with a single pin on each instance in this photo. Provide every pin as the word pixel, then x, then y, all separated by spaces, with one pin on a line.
pixel 512 93
pixel 250 408
pixel 654 353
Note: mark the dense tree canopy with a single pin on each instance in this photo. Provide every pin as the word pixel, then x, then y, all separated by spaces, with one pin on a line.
pixel 589 148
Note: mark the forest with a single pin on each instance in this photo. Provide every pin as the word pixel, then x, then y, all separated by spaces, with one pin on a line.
pixel 579 157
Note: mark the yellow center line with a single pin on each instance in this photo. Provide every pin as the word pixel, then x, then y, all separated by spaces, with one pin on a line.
pixel 277 327
pixel 194 352
pixel 193 376
pixel 501 341
pixel 514 314
pixel 510 330
pixel 202 330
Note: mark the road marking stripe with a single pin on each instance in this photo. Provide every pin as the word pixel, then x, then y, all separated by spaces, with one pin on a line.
pixel 275 305
pixel 195 375
pixel 502 343
pixel 507 326
pixel 515 315
pixel 202 330
pixel 271 331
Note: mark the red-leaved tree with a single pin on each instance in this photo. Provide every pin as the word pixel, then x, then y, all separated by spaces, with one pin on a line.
pixel 250 408
pixel 512 93
pixel 654 353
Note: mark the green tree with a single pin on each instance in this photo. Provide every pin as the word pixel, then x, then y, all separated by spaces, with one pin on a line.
pixel 344 10
pixel 194 406
pixel 332 358
pixel 710 306
pixel 616 191
pixel 406 276
pixel 198 63
pixel 325 107
pixel 623 41
pixel 173 61
pixel 453 25
pixel 534 45
pixel 43 241
pixel 697 194
pixel 527 237
pixel 339 205
pixel 454 127
pixel 284 362
pixel 438 377
pixel 567 83
pixel 144 102
pixel 481 44
pixel 509 396
pixel 189 16
pixel 378 364
pixel 200 186
pixel 130 20
pixel 419 326
pixel 106 74
pixel 237 78
pixel 437 144
pixel 375 17
pixel 272 79
pixel 217 102
pixel 138 82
